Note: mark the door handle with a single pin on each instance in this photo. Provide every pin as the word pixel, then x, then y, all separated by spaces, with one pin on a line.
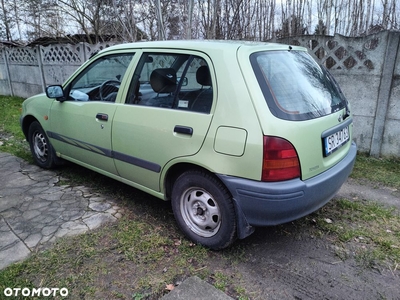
pixel 102 117
pixel 183 130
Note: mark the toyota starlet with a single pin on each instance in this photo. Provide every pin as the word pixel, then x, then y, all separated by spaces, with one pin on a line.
pixel 235 134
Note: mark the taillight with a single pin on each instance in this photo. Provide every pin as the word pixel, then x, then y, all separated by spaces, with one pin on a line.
pixel 280 160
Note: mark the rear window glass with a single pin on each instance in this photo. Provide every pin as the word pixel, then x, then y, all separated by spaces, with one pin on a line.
pixel 295 86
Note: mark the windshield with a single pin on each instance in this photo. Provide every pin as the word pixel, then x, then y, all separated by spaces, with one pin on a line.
pixel 295 86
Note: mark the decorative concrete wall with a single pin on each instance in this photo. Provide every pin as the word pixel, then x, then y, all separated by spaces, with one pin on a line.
pixel 27 71
pixel 367 69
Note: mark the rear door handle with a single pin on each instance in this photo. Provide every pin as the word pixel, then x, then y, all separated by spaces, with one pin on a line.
pixel 102 117
pixel 183 130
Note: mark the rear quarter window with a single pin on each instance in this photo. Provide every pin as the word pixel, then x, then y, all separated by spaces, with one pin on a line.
pixel 295 87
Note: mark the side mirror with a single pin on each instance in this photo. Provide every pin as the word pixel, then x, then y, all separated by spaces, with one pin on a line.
pixel 55 92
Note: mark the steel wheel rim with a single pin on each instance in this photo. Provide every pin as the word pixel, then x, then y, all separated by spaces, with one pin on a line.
pixel 200 212
pixel 40 146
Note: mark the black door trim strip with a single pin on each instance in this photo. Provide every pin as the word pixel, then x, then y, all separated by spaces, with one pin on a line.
pixel 148 165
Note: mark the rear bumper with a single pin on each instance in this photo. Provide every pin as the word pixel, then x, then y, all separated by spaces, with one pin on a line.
pixel 272 203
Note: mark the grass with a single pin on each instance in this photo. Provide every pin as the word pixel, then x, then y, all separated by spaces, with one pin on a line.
pixel 367 229
pixel 10 110
pixel 142 253
pixel 377 171
pixel 12 140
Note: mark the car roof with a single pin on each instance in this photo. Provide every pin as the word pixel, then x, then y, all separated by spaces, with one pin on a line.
pixel 205 45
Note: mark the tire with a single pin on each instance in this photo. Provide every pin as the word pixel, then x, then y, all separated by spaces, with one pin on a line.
pixel 204 210
pixel 41 149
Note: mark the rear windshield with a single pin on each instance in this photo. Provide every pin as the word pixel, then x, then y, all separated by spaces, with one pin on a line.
pixel 295 86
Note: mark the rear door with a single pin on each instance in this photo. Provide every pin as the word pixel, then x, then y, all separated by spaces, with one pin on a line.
pixel 166 115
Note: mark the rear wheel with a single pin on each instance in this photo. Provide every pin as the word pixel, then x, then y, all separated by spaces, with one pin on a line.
pixel 204 210
pixel 41 149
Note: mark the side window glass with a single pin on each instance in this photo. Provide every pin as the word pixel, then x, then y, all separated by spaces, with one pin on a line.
pixel 196 93
pixel 177 81
pixel 101 80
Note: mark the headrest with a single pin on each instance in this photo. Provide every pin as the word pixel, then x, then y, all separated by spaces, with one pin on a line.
pixel 163 80
pixel 203 76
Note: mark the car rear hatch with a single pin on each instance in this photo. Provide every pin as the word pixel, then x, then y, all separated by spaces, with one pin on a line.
pixel 298 101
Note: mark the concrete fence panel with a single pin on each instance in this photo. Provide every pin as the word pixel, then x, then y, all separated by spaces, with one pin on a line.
pixel 391 136
pixel 367 69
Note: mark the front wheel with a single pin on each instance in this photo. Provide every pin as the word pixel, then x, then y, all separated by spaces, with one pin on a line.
pixel 41 148
pixel 204 210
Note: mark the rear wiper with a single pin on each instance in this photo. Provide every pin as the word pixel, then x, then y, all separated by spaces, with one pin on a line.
pixel 347 113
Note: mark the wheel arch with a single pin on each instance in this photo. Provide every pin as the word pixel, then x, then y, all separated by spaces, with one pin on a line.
pixel 26 123
pixel 243 228
pixel 175 171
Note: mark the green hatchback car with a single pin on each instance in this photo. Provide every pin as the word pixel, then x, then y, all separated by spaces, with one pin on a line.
pixel 235 134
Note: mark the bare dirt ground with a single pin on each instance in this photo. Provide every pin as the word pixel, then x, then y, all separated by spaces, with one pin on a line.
pixel 292 262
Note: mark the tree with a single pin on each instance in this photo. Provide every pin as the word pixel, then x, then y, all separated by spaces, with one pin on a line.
pixel 292 26
pixel 87 14
pixel 6 21
pixel 131 20
pixel 122 19
pixel 320 29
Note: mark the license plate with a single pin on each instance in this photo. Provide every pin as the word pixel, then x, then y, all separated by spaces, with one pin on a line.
pixel 336 140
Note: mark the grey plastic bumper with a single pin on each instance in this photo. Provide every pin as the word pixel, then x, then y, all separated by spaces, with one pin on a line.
pixel 266 203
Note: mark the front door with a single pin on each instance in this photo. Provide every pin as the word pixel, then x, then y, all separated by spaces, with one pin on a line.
pixel 81 126
pixel 82 132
